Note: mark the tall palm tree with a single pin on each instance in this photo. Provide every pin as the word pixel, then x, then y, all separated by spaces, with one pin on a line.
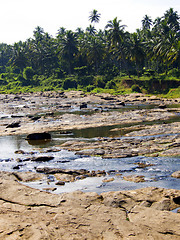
pixel 137 54
pixel 172 19
pixel 116 37
pixel 146 22
pixel 91 30
pixel 94 16
pixel 68 49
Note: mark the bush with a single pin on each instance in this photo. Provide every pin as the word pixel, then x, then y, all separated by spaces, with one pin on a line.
pixel 174 73
pixel 111 85
pixel 136 88
pixel 86 80
pixel 69 83
pixel 28 73
pixel 99 81
pixel 89 88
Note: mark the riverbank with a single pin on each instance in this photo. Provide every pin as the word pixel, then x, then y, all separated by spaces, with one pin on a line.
pixel 27 213
pixel 117 127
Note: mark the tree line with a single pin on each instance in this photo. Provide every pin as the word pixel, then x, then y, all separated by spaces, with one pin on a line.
pixel 152 49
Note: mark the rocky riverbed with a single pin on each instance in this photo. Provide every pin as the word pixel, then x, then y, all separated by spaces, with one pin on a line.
pixel 117 127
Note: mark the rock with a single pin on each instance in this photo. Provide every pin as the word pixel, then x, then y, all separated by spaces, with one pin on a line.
pixel 106 180
pixel 64 177
pixel 28 176
pixel 41 158
pixel 144 165
pixel 34 118
pixel 28 213
pixel 134 178
pixel 162 106
pixel 50 189
pixel 83 105
pixel 39 136
pixel 13 125
pixel 176 174
pixel 19 152
pixel 48 170
pixel 61 183
pixel 163 205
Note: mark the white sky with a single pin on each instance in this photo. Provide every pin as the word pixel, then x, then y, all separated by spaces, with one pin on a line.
pixel 19 18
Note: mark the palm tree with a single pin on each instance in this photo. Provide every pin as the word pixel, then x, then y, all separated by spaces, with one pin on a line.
pixel 172 19
pixel 68 49
pixel 146 22
pixel 137 53
pixel 94 16
pixel 116 37
pixel 19 58
pixel 91 30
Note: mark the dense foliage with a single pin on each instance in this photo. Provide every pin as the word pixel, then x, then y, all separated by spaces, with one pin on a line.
pixel 92 58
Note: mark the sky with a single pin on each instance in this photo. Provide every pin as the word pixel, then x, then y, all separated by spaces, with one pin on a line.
pixel 19 18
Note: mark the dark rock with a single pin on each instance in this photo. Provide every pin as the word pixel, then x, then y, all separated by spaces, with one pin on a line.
pixel 17 167
pixel 34 118
pixel 83 105
pixel 121 103
pixel 42 158
pixel 61 183
pixel 162 106
pixel 39 136
pixel 19 152
pixel 13 125
pixel 48 170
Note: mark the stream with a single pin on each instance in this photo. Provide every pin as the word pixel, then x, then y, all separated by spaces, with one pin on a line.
pixel 157 175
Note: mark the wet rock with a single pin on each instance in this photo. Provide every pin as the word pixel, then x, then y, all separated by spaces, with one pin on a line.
pixel 19 152
pixel 38 136
pixel 106 180
pixel 64 177
pixel 162 106
pixel 144 165
pixel 176 174
pixel 60 183
pixel 134 178
pixel 34 118
pixel 48 170
pixel 17 167
pixel 41 158
pixel 13 125
pixel 83 105
pixel 50 189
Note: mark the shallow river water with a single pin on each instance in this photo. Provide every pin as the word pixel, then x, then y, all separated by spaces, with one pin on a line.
pixel 158 175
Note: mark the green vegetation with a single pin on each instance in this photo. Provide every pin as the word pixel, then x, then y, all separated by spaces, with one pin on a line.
pixel 110 60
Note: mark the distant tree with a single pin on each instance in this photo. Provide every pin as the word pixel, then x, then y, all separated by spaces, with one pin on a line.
pixel 94 16
pixel 68 49
pixel 146 22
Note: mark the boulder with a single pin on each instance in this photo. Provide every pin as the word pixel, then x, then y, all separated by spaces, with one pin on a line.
pixel 39 136
pixel 134 178
pixel 176 174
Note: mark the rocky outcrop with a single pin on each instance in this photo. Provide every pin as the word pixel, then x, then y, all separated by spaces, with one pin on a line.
pixel 176 174
pixel 27 213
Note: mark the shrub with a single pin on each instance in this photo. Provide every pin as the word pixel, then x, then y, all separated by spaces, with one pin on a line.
pixel 28 73
pixel 136 88
pixel 99 81
pixel 69 83
pixel 111 85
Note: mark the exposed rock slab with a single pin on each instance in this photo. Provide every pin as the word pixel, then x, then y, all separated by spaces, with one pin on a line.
pixel 26 213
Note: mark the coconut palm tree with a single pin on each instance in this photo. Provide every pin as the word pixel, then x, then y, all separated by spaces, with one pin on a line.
pixel 146 22
pixel 68 49
pixel 94 16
